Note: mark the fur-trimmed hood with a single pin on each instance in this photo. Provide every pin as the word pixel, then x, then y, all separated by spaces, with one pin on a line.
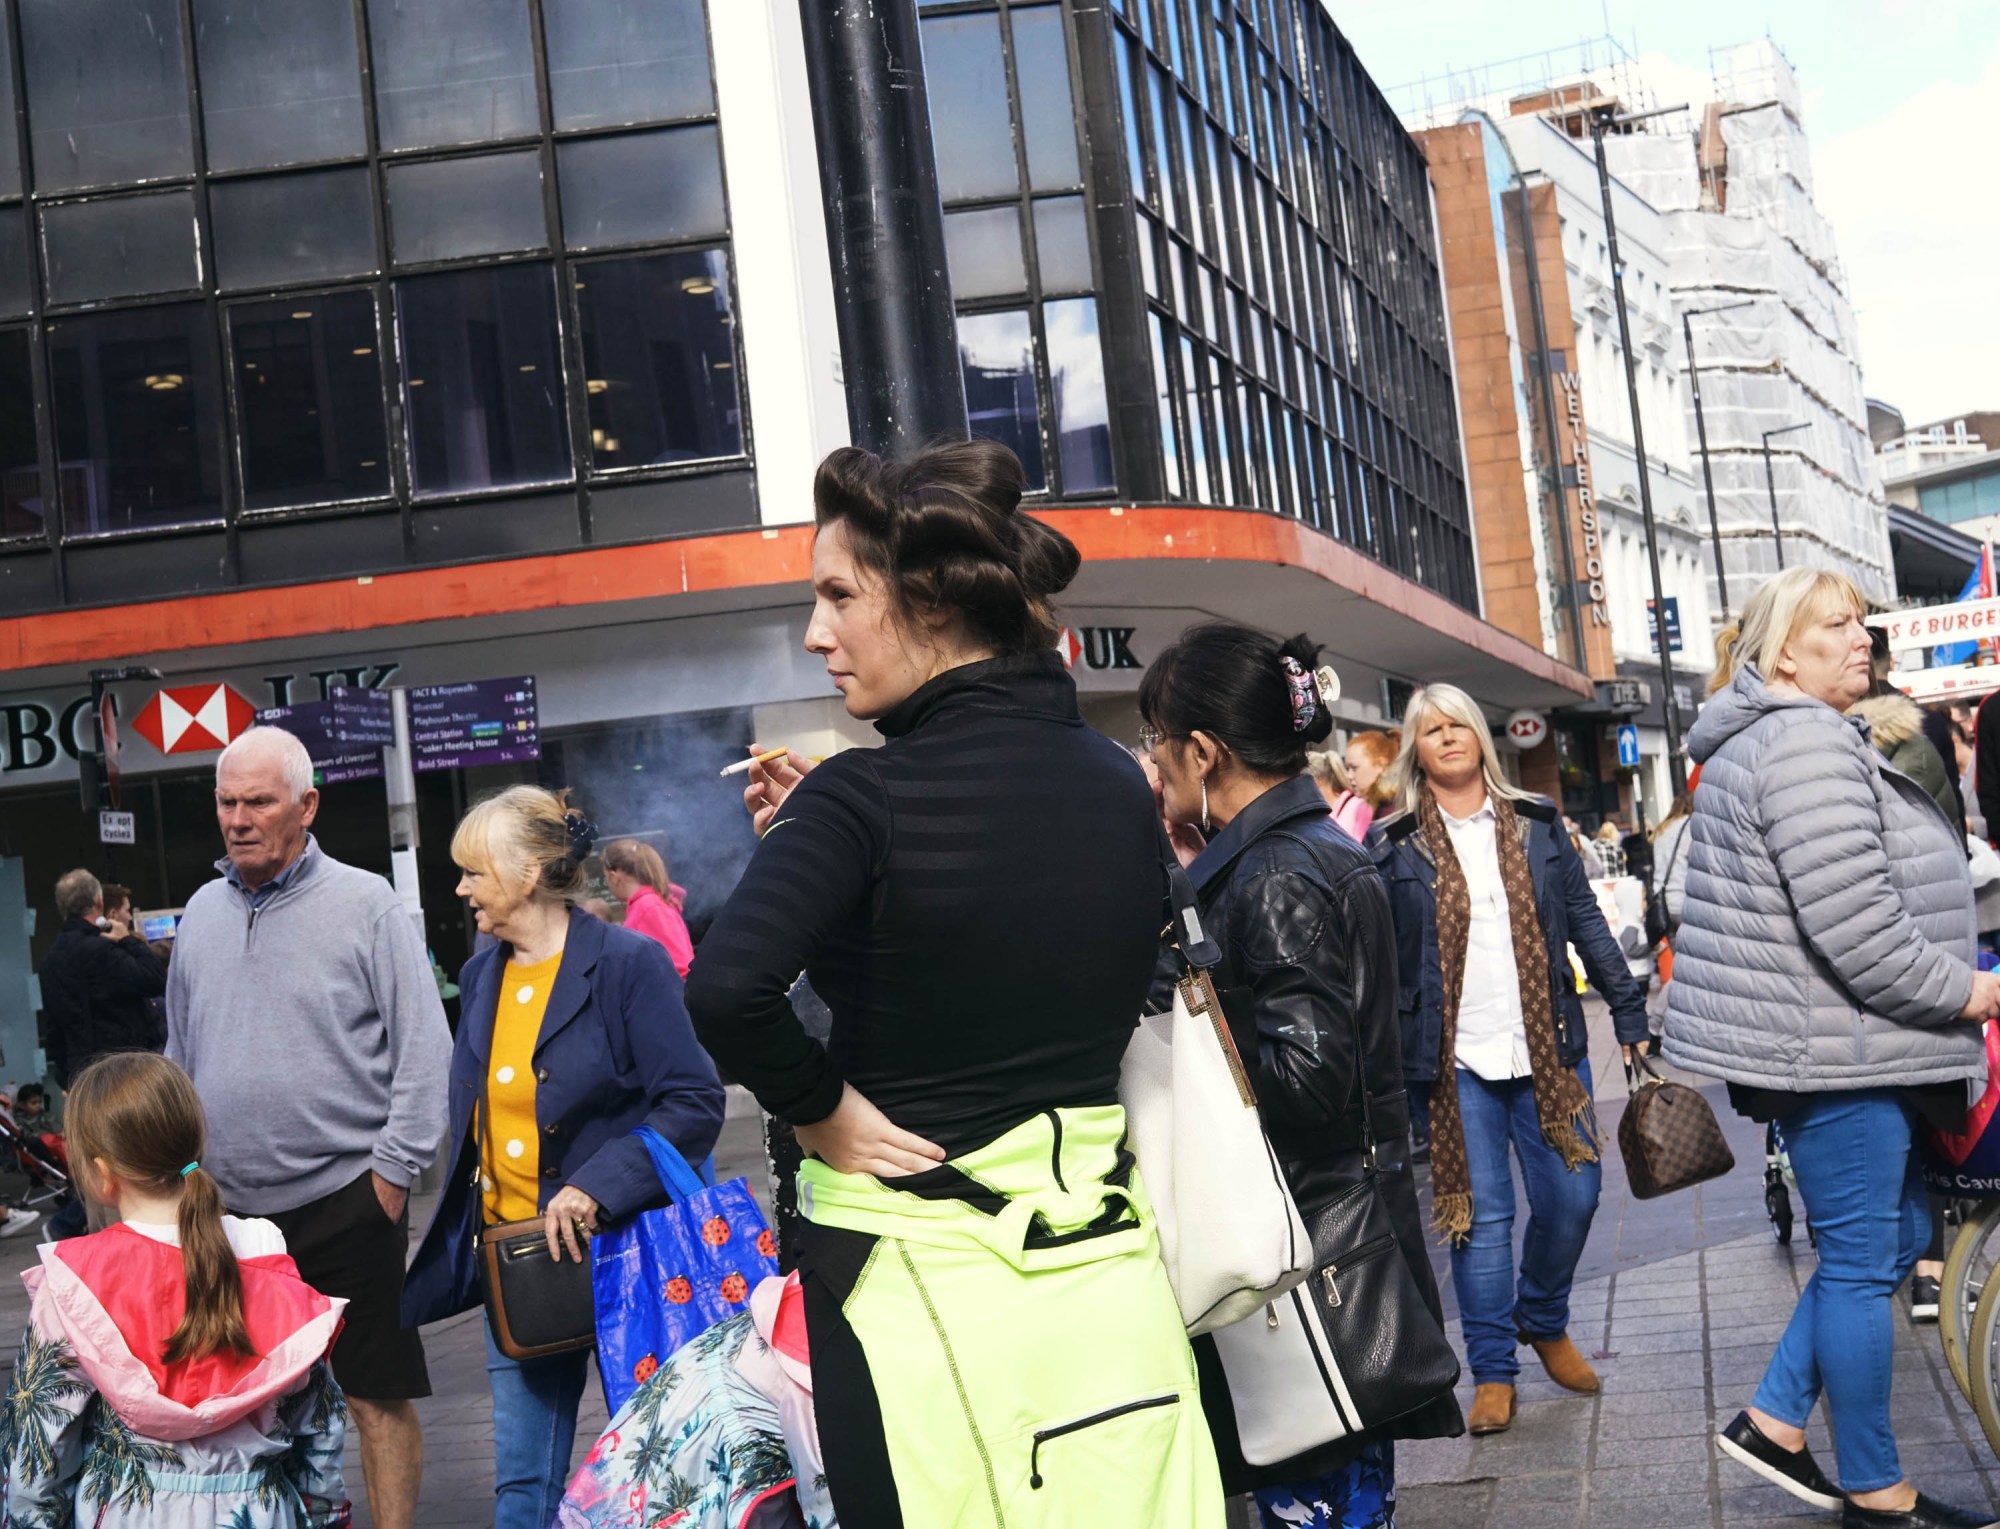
pixel 1893 719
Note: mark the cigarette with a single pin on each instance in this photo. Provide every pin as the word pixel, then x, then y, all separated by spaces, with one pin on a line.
pixel 743 764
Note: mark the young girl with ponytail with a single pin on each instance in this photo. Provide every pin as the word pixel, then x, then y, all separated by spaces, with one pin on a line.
pixel 174 1369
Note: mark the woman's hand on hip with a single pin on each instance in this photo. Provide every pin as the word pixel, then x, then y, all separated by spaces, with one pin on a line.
pixel 569 1221
pixel 770 784
pixel 858 1138
pixel 1985 1000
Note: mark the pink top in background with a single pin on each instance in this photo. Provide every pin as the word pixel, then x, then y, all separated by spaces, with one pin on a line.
pixel 1352 812
pixel 648 913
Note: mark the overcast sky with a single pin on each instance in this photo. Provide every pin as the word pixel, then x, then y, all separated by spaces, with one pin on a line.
pixel 1900 106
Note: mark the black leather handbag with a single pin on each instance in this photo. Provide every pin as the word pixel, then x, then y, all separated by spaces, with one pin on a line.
pixel 537 1305
pixel 1356 1346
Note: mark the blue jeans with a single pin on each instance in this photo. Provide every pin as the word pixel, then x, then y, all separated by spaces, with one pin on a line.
pixel 534 1427
pixel 1493 1305
pixel 1863 1188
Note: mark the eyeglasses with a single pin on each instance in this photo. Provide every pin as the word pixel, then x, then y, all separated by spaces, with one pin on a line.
pixel 1150 738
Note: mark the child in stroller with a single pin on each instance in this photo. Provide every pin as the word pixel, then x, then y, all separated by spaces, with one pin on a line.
pixel 38 1154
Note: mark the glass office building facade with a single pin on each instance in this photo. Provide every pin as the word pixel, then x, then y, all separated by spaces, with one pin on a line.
pixel 1261 273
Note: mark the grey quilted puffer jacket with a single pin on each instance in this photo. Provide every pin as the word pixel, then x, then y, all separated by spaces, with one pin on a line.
pixel 1826 934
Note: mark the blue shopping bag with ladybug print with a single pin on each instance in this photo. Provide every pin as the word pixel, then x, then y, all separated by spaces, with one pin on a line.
pixel 668 1275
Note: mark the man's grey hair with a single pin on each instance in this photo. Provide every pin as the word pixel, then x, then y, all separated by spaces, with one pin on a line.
pixel 272 743
pixel 77 893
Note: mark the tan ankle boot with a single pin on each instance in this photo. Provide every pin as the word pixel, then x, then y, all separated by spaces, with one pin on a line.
pixel 1492 1409
pixel 1566 1366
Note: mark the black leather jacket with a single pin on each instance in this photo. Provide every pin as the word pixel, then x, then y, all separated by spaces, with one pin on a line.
pixel 1308 982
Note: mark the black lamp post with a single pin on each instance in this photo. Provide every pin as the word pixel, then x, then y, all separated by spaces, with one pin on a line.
pixel 1701 436
pixel 1771 486
pixel 1600 123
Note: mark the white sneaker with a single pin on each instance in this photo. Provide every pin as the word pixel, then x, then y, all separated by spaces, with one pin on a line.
pixel 18 1221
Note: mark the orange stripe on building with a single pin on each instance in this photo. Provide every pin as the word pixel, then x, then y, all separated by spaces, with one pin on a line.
pixel 756 558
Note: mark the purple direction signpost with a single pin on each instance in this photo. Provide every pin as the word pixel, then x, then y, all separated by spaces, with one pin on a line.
pixel 481 722
pixel 337 754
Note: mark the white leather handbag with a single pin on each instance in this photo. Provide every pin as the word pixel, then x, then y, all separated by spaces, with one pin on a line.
pixel 1229 1233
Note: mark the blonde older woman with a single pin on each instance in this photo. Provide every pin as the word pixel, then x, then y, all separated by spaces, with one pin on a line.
pixel 1488 893
pixel 572 1034
pixel 1825 970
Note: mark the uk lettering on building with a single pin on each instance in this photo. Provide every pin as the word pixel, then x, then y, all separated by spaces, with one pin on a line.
pixel 1098 647
pixel 1597 602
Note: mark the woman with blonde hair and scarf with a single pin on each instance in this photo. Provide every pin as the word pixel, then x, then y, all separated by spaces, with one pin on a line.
pixel 1488 893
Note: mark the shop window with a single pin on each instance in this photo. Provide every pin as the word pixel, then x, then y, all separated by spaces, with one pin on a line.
pixel 983 251
pixel 120 246
pixel 450 209
pixel 280 82
pixel 1062 244
pixel 1076 385
pixel 107 92
pixel 137 418
pixel 451 71
pixel 1048 117
pixel 997 353
pixel 659 352
pixel 482 379
pixel 20 471
pixel 309 400
pixel 971 126
pixel 613 62
pixel 16 289
pixel 275 230
pixel 634 187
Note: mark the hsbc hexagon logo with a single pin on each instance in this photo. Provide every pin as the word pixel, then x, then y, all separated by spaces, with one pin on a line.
pixel 193 719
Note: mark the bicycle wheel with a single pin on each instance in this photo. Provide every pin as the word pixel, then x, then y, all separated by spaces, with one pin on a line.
pixel 1969 1263
pixel 1985 1363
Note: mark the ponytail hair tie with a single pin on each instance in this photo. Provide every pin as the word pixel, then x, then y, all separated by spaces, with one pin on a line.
pixel 582 835
pixel 1304 691
pixel 190 1169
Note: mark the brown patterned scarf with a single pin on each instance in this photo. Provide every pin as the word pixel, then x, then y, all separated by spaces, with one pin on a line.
pixel 1561 1102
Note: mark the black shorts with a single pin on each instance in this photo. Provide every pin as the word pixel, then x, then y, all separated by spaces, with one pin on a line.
pixel 345 1246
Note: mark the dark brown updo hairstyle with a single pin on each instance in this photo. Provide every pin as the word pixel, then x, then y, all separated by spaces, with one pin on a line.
pixel 945 532
pixel 1233 683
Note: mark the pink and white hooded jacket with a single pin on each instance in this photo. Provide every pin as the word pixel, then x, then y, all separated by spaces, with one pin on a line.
pixel 99 1429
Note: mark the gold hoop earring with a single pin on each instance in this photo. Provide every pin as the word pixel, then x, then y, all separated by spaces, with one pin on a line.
pixel 1205 829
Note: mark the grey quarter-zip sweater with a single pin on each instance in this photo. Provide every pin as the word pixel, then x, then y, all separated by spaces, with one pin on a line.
pixel 310 1022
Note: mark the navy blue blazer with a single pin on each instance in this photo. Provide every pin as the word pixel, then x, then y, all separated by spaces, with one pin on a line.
pixel 616 1051
pixel 1569 914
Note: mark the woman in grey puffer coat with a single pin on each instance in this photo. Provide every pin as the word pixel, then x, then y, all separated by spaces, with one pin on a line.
pixel 1824 970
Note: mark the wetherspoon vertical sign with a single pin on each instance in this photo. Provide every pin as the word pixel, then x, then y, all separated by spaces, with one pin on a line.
pixel 481 722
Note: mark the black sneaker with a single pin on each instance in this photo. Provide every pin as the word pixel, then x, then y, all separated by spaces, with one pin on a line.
pixel 1923 1299
pixel 1927 1514
pixel 1794 1470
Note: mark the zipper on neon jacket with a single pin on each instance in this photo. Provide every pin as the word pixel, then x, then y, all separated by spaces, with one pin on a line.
pixel 1044 1435
pixel 1055 1150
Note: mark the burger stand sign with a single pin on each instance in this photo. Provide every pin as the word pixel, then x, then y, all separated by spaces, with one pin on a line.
pixel 1929 626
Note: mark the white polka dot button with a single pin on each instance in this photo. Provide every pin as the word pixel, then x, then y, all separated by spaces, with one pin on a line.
pixel 525 995
pixel 504 1075
pixel 485 1182
pixel 515 1149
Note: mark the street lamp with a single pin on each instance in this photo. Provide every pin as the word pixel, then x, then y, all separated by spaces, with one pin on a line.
pixel 1771 486
pixel 1701 436
pixel 1600 123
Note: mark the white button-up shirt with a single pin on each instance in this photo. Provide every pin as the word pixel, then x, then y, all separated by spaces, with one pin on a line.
pixel 1492 1038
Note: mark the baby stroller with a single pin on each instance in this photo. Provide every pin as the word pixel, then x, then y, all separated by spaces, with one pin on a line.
pixel 1778 1184
pixel 41 1160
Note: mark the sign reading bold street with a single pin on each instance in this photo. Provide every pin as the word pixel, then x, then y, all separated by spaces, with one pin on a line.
pixel 482 722
pixel 117 828
pixel 1673 626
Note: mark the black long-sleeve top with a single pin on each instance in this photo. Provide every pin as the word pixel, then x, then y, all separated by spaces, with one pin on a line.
pixel 1986 764
pixel 979 902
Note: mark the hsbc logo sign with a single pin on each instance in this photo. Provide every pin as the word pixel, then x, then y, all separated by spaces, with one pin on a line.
pixel 193 719
pixel 1098 647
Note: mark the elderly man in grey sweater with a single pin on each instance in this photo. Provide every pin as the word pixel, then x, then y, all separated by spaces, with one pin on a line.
pixel 302 1003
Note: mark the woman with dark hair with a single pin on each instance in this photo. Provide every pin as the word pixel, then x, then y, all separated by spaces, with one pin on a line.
pixel 978 902
pixel 1309 960
pixel 637 876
